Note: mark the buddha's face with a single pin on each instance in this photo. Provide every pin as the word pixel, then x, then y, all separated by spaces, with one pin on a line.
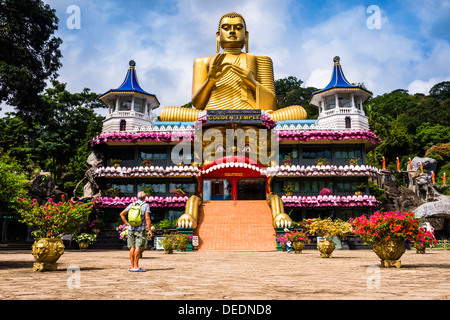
pixel 231 33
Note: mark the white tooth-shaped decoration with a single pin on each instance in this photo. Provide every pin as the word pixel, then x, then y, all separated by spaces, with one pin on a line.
pixel 190 224
pixel 278 224
pixel 289 224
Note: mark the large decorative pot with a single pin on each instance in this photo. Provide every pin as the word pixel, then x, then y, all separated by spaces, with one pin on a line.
pixel 420 247
pixel 83 246
pixel 326 248
pixel 298 246
pixel 46 251
pixel 389 251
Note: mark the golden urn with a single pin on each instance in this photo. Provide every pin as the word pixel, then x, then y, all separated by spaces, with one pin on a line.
pixel 46 251
pixel 326 248
pixel 389 251
pixel 298 246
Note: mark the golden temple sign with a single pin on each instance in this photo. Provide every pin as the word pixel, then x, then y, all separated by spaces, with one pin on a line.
pixel 233 116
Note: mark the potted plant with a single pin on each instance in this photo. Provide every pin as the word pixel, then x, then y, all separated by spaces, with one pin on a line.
pixel 327 228
pixel 322 162
pixel 50 221
pixel 165 225
pixel 325 192
pixel 298 239
pixel 423 239
pixel 146 163
pixel 287 160
pixel 169 242
pixel 115 162
pixel 182 241
pixel 84 240
pixel 387 231
pixel 148 190
pixel 96 225
pixel 179 192
pixel 288 189
pixel 353 161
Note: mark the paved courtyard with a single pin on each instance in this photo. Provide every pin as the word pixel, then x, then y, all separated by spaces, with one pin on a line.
pixel 350 274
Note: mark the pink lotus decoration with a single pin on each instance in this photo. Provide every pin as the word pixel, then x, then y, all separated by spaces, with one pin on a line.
pixel 327 135
pixel 325 170
pixel 152 171
pixel 153 201
pixel 331 201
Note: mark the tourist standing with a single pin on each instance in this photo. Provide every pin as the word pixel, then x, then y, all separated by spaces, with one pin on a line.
pixel 137 235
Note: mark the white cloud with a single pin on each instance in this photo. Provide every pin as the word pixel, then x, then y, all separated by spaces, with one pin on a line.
pixel 420 86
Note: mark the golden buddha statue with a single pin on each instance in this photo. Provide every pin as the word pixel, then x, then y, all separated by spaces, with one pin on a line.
pixel 233 79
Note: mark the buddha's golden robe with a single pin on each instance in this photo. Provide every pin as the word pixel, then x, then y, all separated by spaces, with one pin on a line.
pixel 231 93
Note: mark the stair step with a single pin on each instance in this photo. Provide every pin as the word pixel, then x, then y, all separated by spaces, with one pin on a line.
pixel 235 226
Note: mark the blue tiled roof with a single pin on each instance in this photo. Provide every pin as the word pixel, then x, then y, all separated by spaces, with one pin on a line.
pixel 130 84
pixel 338 80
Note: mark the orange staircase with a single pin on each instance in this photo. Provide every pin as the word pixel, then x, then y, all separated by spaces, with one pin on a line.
pixel 235 226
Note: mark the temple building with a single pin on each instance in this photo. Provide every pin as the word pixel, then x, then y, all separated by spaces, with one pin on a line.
pixel 320 168
pixel 233 169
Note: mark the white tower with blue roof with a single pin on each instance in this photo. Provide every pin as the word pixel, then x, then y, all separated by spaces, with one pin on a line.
pixel 340 103
pixel 129 106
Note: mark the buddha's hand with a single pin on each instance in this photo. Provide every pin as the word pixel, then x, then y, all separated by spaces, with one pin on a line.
pixel 282 220
pixel 246 75
pixel 218 69
pixel 186 221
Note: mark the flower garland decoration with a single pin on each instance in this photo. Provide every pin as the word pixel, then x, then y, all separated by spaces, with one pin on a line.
pixel 359 134
pixel 331 201
pixel 155 202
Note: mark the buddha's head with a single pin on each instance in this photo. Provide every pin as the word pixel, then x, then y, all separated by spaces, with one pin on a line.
pixel 232 32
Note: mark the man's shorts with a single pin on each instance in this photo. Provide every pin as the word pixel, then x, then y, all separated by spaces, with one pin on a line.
pixel 137 239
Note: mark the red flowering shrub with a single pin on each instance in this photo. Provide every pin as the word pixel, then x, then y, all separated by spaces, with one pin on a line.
pixel 386 225
pixel 425 238
pixel 52 219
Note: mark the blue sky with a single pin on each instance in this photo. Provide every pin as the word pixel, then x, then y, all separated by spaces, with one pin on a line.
pixel 410 50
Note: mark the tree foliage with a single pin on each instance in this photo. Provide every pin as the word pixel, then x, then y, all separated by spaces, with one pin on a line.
pixel 29 54
pixel 290 92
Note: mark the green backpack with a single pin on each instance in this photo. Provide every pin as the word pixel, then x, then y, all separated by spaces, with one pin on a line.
pixel 134 215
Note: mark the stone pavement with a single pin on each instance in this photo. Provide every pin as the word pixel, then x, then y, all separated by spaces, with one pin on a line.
pixel 350 274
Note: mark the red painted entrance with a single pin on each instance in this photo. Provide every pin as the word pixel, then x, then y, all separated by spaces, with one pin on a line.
pixel 246 177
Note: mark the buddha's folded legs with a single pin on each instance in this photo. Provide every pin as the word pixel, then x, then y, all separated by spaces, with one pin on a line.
pixel 179 114
pixel 191 115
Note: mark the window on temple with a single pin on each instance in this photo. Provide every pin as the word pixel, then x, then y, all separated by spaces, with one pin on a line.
pixel 344 101
pixel 125 104
pixel 314 186
pixel 123 125
pixel 348 122
pixel 330 102
pixel 119 190
pixel 121 154
pixel 316 152
pixel 347 152
pixel 156 187
pixel 152 154
pixel 139 105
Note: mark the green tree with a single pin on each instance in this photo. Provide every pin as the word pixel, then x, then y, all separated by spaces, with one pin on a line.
pixel 290 92
pixel 13 184
pixel 29 53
